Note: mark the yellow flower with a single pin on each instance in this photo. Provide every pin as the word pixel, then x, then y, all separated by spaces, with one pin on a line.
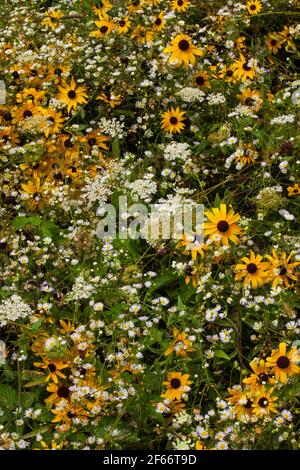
pixel 294 190
pixel 180 5
pixel 181 345
pixel 52 18
pixel 135 6
pixel 123 25
pixel 222 226
pixel 273 42
pixel 113 100
pixel 261 374
pixel 33 189
pixel 54 367
pixel 253 7
pixel 182 50
pixel 142 35
pixel 243 69
pixel 176 384
pixel 194 245
pixel 72 95
pixel 281 271
pixel 104 28
pixel 242 399
pixel 283 364
pixel 253 270
pixel 251 98
pixel 55 121
pixel 173 121
pixel 101 7
pixel 58 393
pixel 264 403
pixel 202 79
pixel 159 23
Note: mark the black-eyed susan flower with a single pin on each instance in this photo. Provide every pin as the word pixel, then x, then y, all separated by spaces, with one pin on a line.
pixel 242 399
pixel 264 402
pixel 182 50
pixel 253 7
pixel 52 17
pixel 135 6
pixel 105 27
pixel 54 123
pixel 158 22
pixel 58 392
pixel 273 42
pixel 53 367
pixel 244 69
pixel 227 73
pixel 177 384
pixel 111 99
pixel 253 270
pixel 26 111
pixel 261 375
pixel 202 79
pixel 180 5
pixel 101 7
pixel 142 35
pixel 251 98
pixel 181 344
pixel 192 274
pixel 283 364
pixel 123 25
pixel 281 270
pixel 193 245
pixel 246 154
pixel 72 95
pixel 294 190
pixel 34 191
pixel 222 225
pixel 30 94
pixel 173 120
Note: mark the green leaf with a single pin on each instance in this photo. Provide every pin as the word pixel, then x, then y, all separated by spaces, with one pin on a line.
pixel 222 354
pixel 21 222
pixel 163 280
pixel 8 396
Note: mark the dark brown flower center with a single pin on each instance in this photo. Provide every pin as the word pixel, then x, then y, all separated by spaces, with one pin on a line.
pixel 200 80
pixel 51 119
pixel 104 29
pixel 223 226
pixel 63 392
pixel 158 21
pixel 252 7
pixel 246 67
pixel 273 42
pixel 135 2
pixel 180 3
pixel 58 72
pixel 263 402
pixel 283 362
pixel 33 73
pixel 251 268
pixel 27 114
pixel 52 367
pixel 122 23
pixel 248 404
pixel 92 141
pixel 173 120
pixel 183 45
pixel 68 144
pixel 263 377
pixel 16 75
pixel 175 383
pixel 229 73
pixel 72 94
pixel 283 270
